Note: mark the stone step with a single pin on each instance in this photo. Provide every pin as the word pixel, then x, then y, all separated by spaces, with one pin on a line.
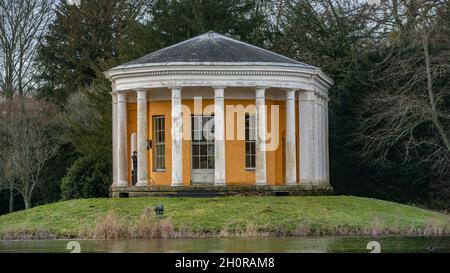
pixel 206 193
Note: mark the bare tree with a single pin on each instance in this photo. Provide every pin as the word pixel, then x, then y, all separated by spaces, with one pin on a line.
pixel 25 126
pixel 22 26
pixel 409 112
pixel 7 177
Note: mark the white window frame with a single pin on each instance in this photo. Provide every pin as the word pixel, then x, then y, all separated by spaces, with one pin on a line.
pixel 157 143
pixel 250 138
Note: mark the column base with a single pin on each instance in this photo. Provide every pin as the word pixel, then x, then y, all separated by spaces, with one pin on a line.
pixel 291 183
pixel 176 184
pixel 314 182
pixel 220 184
pixel 143 183
pixel 121 184
pixel 261 183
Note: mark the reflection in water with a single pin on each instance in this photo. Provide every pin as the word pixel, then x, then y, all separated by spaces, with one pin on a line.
pixel 233 245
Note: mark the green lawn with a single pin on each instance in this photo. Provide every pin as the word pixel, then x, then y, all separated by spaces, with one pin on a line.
pixel 213 214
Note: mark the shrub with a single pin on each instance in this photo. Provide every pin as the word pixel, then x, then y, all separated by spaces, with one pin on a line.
pixel 86 178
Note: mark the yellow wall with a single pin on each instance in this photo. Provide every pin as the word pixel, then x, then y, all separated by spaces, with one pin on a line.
pixel 236 174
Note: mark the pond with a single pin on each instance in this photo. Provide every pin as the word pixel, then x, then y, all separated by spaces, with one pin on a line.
pixel 236 245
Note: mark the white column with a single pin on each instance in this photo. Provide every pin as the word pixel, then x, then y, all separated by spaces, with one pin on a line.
pixel 122 162
pixel 321 140
pixel 142 162
pixel 219 137
pixel 327 144
pixel 261 176
pixel 306 136
pixel 290 146
pixel 177 130
pixel 114 138
pixel 316 139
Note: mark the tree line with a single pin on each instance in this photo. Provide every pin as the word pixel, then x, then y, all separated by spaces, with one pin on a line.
pixel 389 107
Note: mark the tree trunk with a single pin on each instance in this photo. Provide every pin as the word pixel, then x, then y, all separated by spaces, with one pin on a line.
pixel 26 201
pixel 11 199
pixel 434 117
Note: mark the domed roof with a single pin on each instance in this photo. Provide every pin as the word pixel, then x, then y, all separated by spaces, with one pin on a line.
pixel 213 48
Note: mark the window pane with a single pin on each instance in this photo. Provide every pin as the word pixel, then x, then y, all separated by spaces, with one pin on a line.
pixel 203 150
pixel 195 150
pixel 210 162
pixel 205 120
pixel 247 148
pixel 252 119
pixel 252 134
pixel 195 162
pixel 208 135
pixel 162 124
pixel 158 137
pixel 210 149
pixel 160 163
pixel 197 135
pixel 198 125
pixel 247 161
pixel 203 162
pixel 250 160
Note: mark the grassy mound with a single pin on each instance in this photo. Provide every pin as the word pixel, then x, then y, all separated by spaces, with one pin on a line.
pixel 226 216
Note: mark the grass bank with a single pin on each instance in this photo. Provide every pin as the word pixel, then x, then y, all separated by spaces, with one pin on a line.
pixel 221 217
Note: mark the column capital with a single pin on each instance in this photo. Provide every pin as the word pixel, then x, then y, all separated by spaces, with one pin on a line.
pixel 122 96
pixel 176 92
pixel 219 91
pixel 219 87
pixel 306 96
pixel 175 87
pixel 260 92
pixel 290 94
pixel 141 94
pixel 114 97
pixel 322 102
pixel 319 94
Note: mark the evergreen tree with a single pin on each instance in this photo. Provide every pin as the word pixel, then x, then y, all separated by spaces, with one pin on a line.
pixel 80 41
pixel 174 21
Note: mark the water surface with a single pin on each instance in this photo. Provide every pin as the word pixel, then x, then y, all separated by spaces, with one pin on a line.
pixel 234 245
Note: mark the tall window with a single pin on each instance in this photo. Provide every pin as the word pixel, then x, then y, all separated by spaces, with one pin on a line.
pixel 202 142
pixel 159 144
pixel 250 141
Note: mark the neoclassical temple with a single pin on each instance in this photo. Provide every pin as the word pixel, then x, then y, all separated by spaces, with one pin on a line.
pixel 215 114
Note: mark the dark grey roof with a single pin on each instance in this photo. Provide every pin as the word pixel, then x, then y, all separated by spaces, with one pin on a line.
pixel 212 47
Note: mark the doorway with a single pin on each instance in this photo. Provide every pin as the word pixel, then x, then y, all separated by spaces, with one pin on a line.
pixel 202 149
